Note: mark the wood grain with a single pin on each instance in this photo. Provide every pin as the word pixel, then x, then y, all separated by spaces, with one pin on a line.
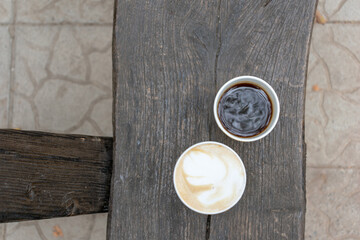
pixel 164 56
pixel 45 175
pixel 170 58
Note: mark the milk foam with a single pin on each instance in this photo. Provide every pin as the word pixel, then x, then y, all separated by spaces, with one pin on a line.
pixel 210 177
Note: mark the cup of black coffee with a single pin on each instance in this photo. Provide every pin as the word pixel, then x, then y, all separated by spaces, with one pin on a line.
pixel 246 108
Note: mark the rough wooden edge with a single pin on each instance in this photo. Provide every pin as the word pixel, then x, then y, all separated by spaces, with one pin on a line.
pixel 27 180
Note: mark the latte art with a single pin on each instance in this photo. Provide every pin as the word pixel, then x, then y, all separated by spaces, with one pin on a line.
pixel 209 178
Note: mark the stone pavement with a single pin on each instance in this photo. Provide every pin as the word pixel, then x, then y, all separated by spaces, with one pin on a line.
pixel 55 75
pixel 333 124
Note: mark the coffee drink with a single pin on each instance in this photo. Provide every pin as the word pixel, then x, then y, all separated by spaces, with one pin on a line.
pixel 209 177
pixel 245 110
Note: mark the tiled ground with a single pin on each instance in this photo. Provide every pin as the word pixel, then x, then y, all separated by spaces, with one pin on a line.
pixel 333 124
pixel 55 75
pixel 69 66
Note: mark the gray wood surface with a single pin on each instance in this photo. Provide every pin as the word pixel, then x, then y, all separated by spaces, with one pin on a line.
pixel 45 175
pixel 170 58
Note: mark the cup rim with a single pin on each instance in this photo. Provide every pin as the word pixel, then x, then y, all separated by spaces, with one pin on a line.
pixel 241 162
pixel 251 79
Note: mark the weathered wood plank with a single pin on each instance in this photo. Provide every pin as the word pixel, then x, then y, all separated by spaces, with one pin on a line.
pixel 271 42
pixel 164 56
pixel 170 58
pixel 45 175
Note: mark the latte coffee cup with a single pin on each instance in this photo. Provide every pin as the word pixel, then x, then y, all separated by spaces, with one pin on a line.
pixel 209 178
pixel 246 108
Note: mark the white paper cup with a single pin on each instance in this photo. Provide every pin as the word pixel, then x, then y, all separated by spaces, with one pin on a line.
pixel 270 92
pixel 242 186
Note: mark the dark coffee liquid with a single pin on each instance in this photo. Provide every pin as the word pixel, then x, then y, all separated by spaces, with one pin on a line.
pixel 245 110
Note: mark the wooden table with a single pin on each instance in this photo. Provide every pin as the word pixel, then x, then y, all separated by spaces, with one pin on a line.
pixel 170 58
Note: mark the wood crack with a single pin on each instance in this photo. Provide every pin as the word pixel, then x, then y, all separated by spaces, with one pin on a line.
pixel 218 37
pixel 208 224
pixel 267 3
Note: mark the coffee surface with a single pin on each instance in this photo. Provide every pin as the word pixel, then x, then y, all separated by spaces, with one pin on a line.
pixel 209 178
pixel 245 110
